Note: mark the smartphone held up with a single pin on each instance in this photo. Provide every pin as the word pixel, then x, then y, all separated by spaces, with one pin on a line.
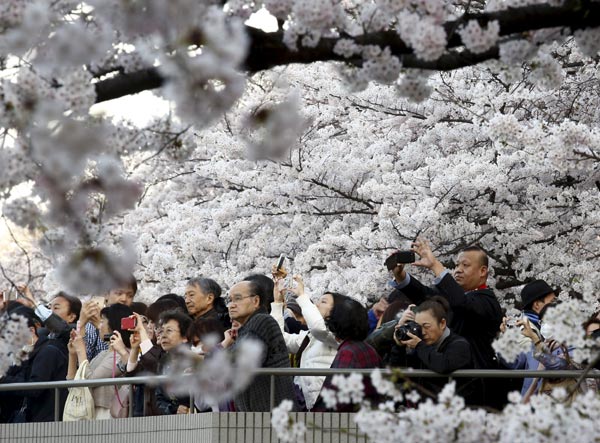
pixel 279 270
pixel 399 257
pixel 128 323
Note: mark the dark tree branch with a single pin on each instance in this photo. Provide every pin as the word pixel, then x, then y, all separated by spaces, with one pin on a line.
pixel 267 50
pixel 126 84
pixel 368 203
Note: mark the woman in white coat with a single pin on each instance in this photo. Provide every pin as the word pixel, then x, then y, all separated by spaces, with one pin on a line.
pixel 317 346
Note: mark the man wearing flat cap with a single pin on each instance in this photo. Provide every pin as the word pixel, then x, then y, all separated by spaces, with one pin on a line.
pixel 536 298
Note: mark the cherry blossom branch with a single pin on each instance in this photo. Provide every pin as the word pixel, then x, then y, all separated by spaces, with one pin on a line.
pixel 268 50
pixel 349 196
pixel 23 250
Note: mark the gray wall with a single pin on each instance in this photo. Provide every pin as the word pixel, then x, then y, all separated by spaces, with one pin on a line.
pixel 196 428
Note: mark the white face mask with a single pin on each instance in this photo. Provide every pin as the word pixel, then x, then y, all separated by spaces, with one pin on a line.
pixel 197 349
pixel 547 329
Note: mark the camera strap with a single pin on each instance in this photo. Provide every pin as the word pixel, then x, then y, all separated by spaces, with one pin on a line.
pixel 114 366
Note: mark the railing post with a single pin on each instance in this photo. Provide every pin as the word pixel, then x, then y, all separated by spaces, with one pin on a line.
pixel 272 397
pixel 56 404
pixel 130 405
pixel 144 403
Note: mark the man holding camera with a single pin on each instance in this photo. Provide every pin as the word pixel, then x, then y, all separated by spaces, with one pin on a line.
pixel 476 314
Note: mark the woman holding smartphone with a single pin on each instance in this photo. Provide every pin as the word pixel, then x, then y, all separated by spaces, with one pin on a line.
pixel 109 363
pixel 314 348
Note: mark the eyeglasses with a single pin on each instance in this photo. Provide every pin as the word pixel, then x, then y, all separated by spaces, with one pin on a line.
pixel 238 298
pixel 167 331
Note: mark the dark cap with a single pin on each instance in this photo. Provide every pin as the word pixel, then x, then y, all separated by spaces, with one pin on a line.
pixel 535 290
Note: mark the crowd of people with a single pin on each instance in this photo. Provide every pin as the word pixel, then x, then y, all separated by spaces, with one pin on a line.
pixel 445 327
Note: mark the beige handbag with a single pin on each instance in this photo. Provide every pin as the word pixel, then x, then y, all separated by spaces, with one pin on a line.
pixel 80 403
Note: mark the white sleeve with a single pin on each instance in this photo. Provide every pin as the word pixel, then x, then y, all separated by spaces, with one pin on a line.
pixel 316 322
pixel 292 341
pixel 145 346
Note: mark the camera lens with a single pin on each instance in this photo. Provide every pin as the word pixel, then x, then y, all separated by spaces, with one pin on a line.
pixel 412 327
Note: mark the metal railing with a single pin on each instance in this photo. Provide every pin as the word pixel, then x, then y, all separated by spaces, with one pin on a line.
pixel 278 372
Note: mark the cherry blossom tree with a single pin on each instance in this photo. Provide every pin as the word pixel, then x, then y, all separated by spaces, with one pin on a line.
pixel 62 57
pixel 351 130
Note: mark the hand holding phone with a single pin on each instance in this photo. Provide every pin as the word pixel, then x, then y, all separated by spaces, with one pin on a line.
pixel 278 271
pixel 128 323
pixel 299 289
pixel 399 257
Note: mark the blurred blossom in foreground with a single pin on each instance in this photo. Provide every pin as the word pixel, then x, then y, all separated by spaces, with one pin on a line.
pixel 14 336
pixel 219 376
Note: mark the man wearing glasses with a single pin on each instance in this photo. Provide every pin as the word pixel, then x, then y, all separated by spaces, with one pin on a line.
pixel 246 298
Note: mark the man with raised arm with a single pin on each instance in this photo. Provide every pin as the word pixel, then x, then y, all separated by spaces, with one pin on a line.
pixel 476 313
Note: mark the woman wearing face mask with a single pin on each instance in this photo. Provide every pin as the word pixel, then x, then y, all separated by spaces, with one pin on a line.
pixel 315 348
pixel 438 349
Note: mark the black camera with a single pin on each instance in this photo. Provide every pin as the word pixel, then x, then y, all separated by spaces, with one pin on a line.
pixel 413 327
pixel 106 337
pixel 399 257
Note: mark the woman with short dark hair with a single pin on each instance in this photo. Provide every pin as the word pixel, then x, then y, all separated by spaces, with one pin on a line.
pixel 349 322
pixel 108 363
pixel 175 326
pixel 436 347
pixel 146 353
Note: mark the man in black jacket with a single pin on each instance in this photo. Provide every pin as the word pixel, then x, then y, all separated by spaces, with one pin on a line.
pixel 46 362
pixel 476 314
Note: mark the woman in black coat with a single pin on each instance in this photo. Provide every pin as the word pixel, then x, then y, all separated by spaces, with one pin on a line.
pixel 436 347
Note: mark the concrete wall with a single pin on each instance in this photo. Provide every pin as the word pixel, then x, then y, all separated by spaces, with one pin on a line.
pixel 194 428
